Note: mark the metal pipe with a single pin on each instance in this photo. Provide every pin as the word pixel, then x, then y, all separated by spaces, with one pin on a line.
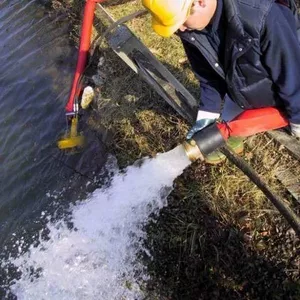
pixel 204 142
pixel 192 151
pixel 84 47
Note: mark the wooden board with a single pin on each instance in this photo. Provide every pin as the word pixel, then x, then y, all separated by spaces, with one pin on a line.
pixel 290 180
pixel 289 142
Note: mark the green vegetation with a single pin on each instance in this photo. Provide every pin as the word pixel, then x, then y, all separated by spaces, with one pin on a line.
pixel 219 237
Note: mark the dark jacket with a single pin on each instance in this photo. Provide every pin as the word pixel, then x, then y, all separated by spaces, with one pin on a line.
pixel 261 62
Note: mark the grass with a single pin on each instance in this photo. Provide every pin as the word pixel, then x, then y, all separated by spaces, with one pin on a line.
pixel 219 237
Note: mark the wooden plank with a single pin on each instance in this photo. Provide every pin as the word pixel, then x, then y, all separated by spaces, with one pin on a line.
pixel 286 176
pixel 289 142
pixel 290 181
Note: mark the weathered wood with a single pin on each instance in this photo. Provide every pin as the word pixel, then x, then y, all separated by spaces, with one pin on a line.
pixel 286 176
pixel 290 181
pixel 289 142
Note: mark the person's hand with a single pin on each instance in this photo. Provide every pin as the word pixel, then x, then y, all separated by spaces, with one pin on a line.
pixel 204 118
pixel 295 129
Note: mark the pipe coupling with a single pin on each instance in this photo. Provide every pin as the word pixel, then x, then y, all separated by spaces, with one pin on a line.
pixel 204 142
pixel 192 150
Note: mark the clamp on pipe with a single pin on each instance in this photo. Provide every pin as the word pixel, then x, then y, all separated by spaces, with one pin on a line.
pixel 204 142
pixel 248 123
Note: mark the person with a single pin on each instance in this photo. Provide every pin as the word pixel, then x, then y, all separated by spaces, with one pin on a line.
pixel 245 53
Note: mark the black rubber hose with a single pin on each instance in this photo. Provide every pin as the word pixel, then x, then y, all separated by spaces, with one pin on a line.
pixel 282 207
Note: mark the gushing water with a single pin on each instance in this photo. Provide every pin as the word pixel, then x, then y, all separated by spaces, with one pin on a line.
pixel 97 258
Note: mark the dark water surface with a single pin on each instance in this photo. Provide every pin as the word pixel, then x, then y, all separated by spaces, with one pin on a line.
pixel 36 67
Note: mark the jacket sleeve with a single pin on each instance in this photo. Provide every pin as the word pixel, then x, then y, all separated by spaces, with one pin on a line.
pixel 281 57
pixel 212 86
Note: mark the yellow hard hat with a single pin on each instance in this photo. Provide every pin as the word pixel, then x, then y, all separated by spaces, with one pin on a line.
pixel 168 15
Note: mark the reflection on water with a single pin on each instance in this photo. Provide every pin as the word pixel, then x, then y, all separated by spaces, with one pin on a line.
pixel 36 67
pixel 35 71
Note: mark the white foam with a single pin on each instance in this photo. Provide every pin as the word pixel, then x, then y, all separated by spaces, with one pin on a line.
pixel 97 259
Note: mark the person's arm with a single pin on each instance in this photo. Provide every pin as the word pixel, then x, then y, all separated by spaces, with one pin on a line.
pixel 212 86
pixel 281 57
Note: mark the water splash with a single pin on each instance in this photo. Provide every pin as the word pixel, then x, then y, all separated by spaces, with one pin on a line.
pixel 96 259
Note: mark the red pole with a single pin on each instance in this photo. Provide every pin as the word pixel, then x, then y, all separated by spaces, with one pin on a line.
pixel 85 42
